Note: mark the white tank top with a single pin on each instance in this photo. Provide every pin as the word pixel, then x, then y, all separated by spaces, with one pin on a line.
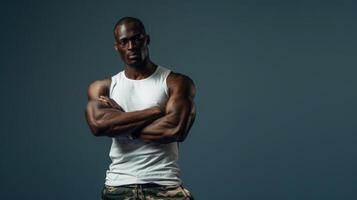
pixel 133 161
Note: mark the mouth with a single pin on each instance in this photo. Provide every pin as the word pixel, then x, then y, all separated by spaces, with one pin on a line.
pixel 133 56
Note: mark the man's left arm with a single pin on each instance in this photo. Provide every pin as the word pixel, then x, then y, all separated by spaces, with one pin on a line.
pixel 179 115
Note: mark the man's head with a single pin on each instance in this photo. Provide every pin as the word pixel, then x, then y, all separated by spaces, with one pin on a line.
pixel 131 41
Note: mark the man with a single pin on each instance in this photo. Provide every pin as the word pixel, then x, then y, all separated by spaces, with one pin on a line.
pixel 146 109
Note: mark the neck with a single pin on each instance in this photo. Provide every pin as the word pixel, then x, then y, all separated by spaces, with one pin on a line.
pixel 140 72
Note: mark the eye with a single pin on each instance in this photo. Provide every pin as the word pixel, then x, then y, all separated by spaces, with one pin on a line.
pixel 123 41
pixel 138 38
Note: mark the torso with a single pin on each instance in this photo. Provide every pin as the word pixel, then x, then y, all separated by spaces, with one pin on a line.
pixel 133 161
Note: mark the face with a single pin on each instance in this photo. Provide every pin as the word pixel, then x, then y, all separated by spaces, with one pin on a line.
pixel 132 44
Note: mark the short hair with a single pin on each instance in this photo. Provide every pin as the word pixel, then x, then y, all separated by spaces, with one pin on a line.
pixel 128 19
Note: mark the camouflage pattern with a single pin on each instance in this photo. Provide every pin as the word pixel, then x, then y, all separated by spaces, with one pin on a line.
pixel 142 192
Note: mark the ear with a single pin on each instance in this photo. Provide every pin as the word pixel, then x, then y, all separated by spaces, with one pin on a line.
pixel 147 39
pixel 116 46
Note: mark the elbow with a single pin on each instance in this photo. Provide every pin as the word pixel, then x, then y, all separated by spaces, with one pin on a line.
pixel 177 136
pixel 97 132
pixel 93 126
pixel 181 137
pixel 97 128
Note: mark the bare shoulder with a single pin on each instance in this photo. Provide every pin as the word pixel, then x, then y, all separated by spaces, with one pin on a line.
pixel 98 88
pixel 180 83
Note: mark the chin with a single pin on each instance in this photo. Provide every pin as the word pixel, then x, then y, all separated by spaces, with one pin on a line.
pixel 135 64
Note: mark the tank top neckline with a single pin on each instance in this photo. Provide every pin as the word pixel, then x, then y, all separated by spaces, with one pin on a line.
pixel 144 79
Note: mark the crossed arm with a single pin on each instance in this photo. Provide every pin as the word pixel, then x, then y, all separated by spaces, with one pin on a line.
pixel 106 118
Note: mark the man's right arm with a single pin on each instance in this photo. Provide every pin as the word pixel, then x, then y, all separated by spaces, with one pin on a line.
pixel 106 118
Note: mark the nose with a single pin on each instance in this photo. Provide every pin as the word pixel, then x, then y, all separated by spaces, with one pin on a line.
pixel 131 44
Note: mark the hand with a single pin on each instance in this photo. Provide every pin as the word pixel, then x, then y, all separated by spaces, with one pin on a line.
pixel 155 139
pixel 110 102
pixel 158 110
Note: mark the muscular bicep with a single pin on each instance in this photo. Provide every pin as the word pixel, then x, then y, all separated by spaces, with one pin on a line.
pixel 95 108
pixel 98 88
pixel 179 107
pixel 179 111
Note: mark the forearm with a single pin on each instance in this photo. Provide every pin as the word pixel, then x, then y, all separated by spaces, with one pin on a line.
pixel 161 126
pixel 107 121
pixel 130 128
pixel 174 126
pixel 127 122
pixel 166 130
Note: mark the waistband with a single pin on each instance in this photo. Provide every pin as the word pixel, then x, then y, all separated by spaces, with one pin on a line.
pixel 144 185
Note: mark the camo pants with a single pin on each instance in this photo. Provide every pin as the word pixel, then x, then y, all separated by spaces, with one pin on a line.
pixel 145 192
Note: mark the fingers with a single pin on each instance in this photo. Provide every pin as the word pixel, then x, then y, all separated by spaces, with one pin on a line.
pixel 110 102
pixel 103 98
pixel 115 105
pixel 150 138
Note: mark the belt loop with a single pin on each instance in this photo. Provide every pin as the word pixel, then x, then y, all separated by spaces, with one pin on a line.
pixel 142 196
pixel 136 192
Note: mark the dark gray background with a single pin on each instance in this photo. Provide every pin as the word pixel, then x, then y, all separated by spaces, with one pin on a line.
pixel 276 95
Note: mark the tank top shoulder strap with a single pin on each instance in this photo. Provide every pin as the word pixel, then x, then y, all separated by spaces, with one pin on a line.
pixel 164 73
pixel 114 83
